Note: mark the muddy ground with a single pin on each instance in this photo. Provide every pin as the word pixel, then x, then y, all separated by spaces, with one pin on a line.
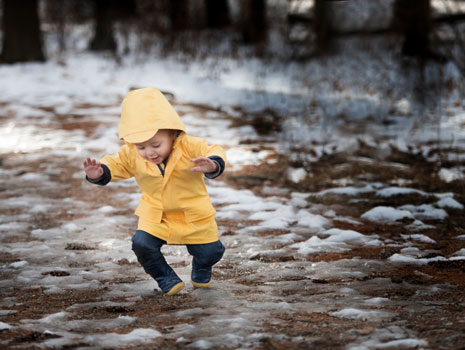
pixel 424 302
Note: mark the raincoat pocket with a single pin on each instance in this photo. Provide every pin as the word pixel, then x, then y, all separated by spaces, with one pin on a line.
pixel 203 211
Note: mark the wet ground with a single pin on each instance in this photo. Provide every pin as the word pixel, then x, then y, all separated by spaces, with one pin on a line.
pixel 70 281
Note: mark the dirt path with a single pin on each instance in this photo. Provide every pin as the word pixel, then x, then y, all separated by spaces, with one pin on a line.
pixel 70 281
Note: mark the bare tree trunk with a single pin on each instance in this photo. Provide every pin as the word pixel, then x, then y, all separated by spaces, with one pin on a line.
pixel 179 15
pixel 103 38
pixel 412 18
pixel 253 21
pixel 217 13
pixel 322 26
pixel 22 38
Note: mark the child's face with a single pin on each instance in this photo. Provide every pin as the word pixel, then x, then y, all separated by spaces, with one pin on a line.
pixel 158 148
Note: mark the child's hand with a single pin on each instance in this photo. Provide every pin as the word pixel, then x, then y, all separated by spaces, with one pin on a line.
pixel 205 165
pixel 92 168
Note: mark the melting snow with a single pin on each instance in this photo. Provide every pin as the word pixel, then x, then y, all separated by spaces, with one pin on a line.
pixel 232 320
pixel 337 240
pixel 386 215
pixel 362 314
pixel 4 326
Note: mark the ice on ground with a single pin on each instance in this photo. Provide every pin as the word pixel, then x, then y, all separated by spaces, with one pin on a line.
pixel 386 215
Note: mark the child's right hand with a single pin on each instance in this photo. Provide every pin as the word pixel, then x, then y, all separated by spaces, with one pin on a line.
pixel 92 168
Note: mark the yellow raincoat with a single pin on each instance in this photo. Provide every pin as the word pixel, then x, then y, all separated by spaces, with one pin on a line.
pixel 175 207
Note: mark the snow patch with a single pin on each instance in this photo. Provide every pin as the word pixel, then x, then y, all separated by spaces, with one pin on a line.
pixel 4 326
pixel 396 191
pixel 296 174
pixel 452 174
pixel 419 238
pixel 386 215
pixel 409 342
pixel 361 314
pixel 18 264
pixel 460 253
pixel 399 258
pixel 425 211
pixel 115 340
pixel 449 202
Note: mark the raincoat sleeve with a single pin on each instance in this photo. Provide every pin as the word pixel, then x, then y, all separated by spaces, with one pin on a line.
pixel 200 148
pixel 102 180
pixel 220 163
pixel 121 164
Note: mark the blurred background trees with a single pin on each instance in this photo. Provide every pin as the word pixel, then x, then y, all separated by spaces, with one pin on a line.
pixel 279 29
pixel 22 40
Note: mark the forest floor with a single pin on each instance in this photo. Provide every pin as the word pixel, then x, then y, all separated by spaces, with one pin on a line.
pixel 69 279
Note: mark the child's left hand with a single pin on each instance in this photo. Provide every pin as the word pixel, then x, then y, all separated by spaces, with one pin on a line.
pixel 205 165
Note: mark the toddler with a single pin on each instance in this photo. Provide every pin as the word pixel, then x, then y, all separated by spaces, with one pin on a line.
pixel 169 167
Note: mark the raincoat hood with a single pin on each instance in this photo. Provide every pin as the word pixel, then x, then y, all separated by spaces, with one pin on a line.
pixel 143 113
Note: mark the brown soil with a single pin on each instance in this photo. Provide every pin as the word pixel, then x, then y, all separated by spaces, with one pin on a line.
pixel 443 329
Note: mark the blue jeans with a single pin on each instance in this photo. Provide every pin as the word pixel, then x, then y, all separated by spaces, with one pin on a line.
pixel 147 249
